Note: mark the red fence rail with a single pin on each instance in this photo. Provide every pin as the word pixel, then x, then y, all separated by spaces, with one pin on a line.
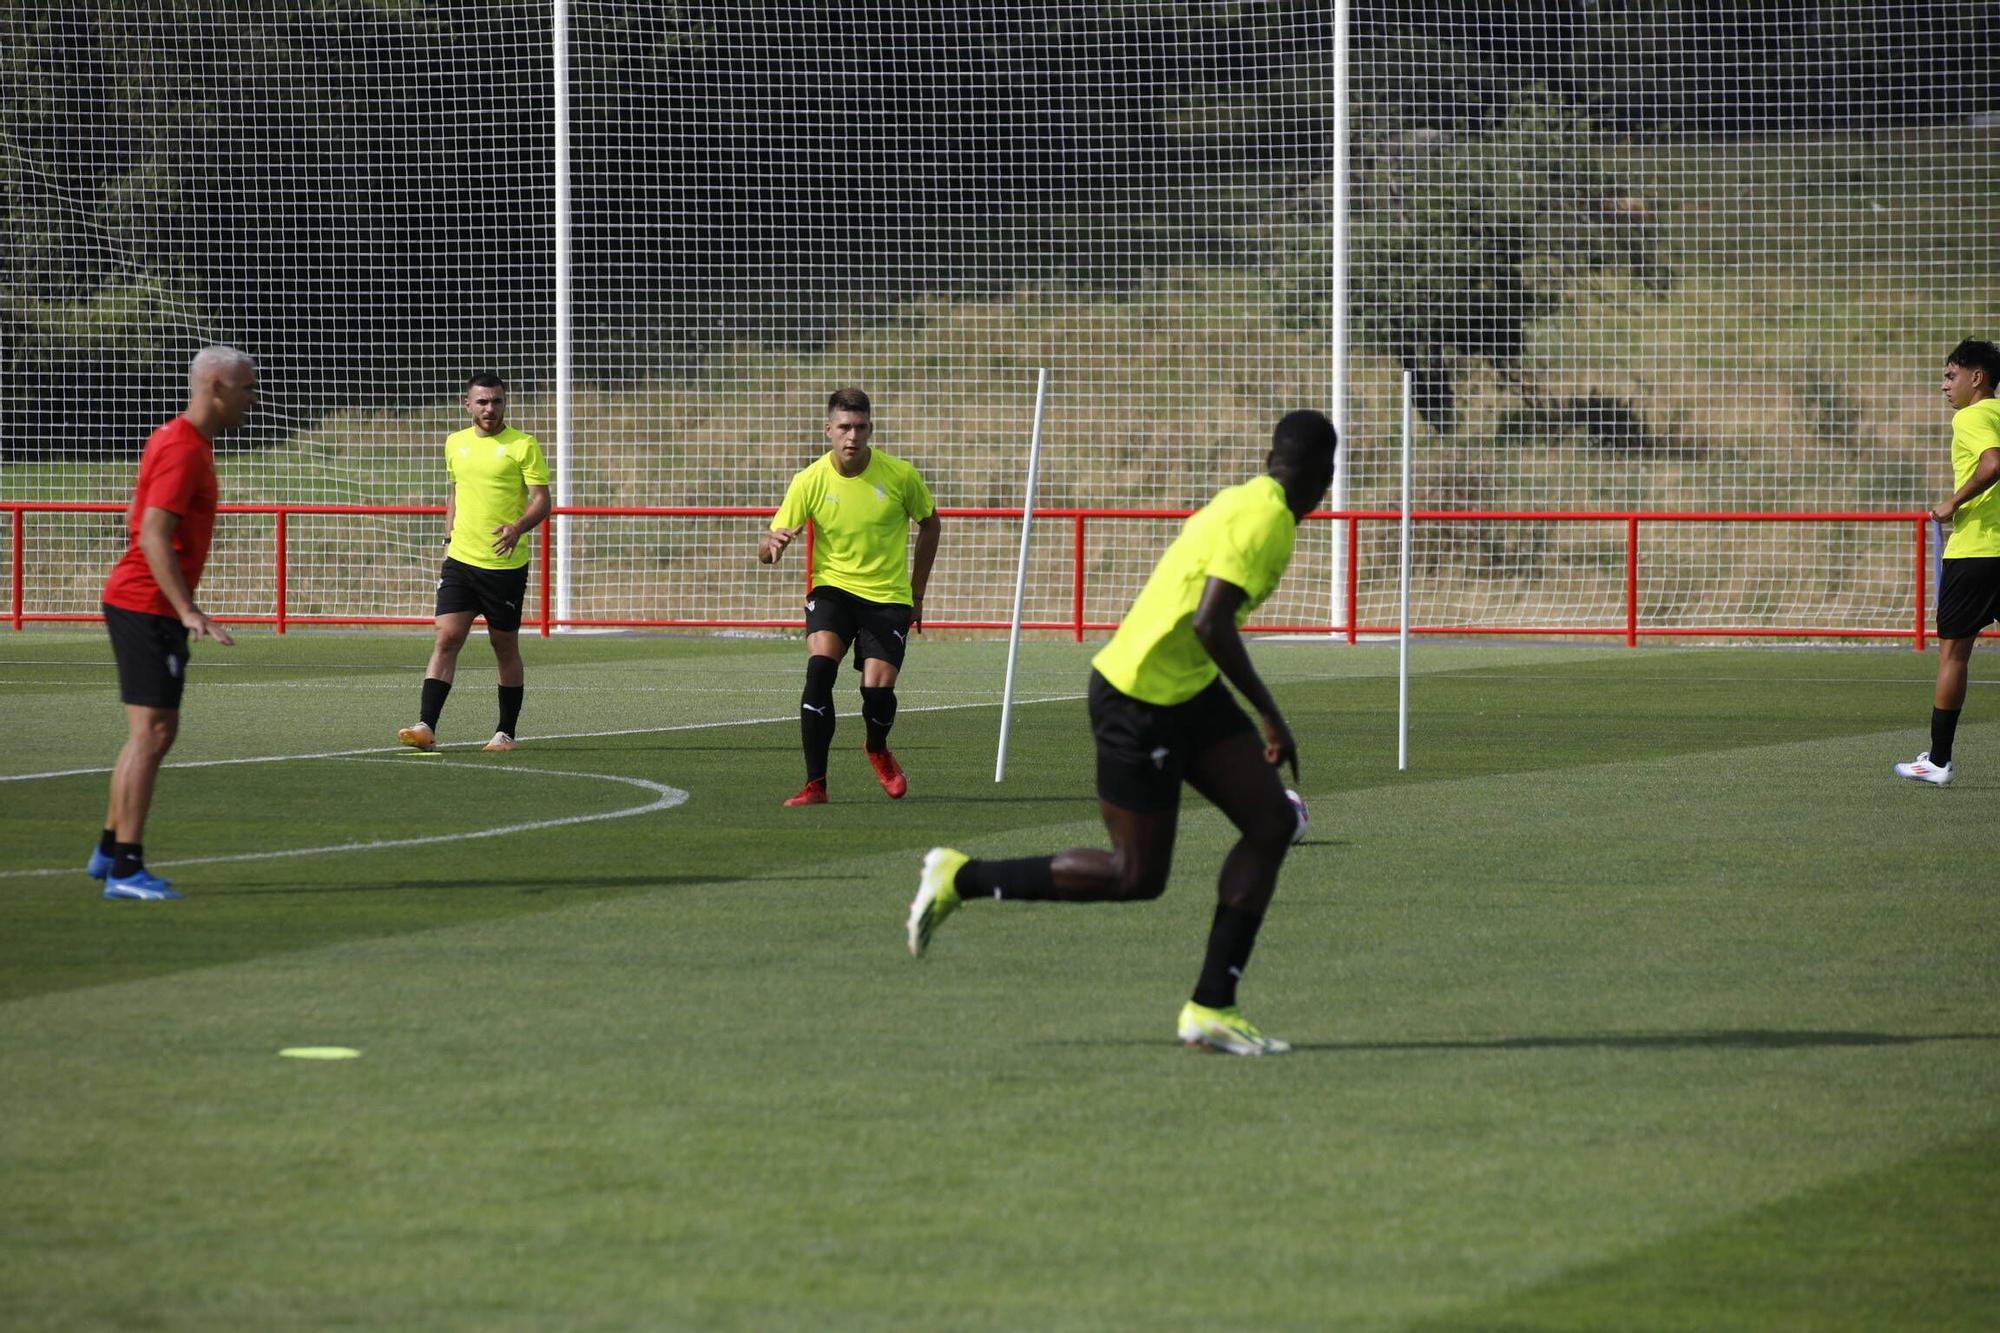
pixel 1631 630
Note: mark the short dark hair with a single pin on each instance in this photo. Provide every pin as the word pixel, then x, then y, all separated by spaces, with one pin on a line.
pixel 849 399
pixel 1978 354
pixel 485 379
pixel 1304 438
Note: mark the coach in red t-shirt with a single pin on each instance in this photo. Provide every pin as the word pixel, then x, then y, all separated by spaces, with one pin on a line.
pixel 149 605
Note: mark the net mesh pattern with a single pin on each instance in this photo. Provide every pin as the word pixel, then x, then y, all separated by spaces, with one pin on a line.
pixel 1658 257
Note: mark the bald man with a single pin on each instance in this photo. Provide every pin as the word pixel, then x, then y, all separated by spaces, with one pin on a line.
pixel 149 606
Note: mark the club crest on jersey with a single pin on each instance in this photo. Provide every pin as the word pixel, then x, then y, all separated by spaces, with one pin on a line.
pixel 881 492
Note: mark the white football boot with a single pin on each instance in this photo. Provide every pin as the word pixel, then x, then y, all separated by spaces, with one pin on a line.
pixel 1921 769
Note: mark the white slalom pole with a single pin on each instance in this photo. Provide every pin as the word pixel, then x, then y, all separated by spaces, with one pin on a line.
pixel 1021 572
pixel 1403 590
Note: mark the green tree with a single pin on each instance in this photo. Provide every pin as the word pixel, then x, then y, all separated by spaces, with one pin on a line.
pixel 1462 238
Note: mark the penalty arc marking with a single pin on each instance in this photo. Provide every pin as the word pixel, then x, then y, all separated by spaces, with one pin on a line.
pixel 664 798
pixel 668 796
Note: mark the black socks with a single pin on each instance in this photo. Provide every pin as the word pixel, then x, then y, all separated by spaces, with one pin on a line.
pixel 437 691
pixel 432 707
pixel 510 706
pixel 127 859
pixel 1231 936
pixel 878 710
pixel 1030 879
pixel 1944 726
pixel 816 719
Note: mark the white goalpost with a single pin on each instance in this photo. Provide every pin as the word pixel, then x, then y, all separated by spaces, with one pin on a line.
pixel 1403 556
pixel 1336 309
pixel 565 327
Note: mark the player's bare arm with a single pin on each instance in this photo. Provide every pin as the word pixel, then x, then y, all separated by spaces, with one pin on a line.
pixel 1984 473
pixel 920 571
pixel 1215 626
pixel 773 543
pixel 156 541
pixel 508 535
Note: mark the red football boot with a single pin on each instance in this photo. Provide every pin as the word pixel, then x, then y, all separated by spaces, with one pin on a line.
pixel 813 793
pixel 890 773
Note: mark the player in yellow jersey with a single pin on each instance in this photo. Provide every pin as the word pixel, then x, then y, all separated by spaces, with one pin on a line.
pixel 499 493
pixel 1968 597
pixel 866 590
pixel 1162 717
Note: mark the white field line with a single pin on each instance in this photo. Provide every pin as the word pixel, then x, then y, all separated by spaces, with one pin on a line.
pixel 554 736
pixel 1280 676
pixel 402 686
pixel 665 798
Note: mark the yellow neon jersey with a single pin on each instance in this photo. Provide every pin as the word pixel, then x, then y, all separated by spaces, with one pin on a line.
pixel 490 476
pixel 1975 528
pixel 861 525
pixel 1243 536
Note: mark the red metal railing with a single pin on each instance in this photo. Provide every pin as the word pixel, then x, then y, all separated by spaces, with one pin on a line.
pixel 1076 623
pixel 1632 631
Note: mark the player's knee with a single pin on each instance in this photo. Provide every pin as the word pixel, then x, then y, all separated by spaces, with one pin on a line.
pixel 1138 881
pixel 1145 886
pixel 1271 828
pixel 878 704
pixel 157 733
pixel 821 672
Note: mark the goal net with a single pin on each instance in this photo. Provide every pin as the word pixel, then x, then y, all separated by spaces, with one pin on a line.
pixel 1666 257
pixel 1636 257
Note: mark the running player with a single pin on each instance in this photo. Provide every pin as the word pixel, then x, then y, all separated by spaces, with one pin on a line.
pixel 1968 598
pixel 1162 717
pixel 499 493
pixel 149 606
pixel 866 591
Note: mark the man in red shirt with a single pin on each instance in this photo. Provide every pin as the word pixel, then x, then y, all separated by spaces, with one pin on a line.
pixel 149 606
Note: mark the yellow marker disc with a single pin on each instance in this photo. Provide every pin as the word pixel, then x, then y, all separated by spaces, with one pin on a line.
pixel 320 1052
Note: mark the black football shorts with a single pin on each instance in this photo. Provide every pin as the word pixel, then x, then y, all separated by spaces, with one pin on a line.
pixel 152 656
pixel 1143 750
pixel 876 629
pixel 1968 596
pixel 496 594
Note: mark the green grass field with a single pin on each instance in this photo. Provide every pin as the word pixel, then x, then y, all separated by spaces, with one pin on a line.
pixel 1645 999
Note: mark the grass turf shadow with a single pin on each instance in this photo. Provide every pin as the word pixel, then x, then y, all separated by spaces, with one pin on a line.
pixel 1763 1039
pixel 1727 1039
